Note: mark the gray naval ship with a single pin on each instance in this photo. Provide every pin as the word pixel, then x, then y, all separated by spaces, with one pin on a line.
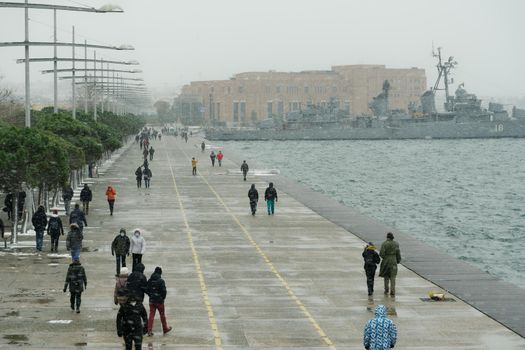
pixel 463 117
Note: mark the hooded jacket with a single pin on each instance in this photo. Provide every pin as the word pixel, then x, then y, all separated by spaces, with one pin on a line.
pixel 120 245
pixel 138 173
pixel 138 244
pixel 131 320
pixel 380 332
pixel 391 257
pixel 371 258
pixel 156 288
pixel 253 194
pixel 220 155
pixel 270 194
pixel 244 167
pixel 67 193
pixel 76 278
pixel 137 283
pixel 74 239
pixel 120 284
pixel 78 217
pixel 54 226
pixel 39 219
pixel 86 195
pixel 111 193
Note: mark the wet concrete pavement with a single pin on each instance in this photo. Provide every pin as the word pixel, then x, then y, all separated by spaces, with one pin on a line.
pixel 293 280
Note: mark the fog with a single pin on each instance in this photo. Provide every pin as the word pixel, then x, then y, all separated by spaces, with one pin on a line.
pixel 180 41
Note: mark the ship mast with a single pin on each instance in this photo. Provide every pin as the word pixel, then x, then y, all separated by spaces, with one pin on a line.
pixel 444 69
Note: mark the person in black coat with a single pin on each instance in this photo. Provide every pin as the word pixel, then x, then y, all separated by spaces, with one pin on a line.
pixel 157 294
pixel 39 221
pixel 137 283
pixel 371 258
pixel 86 196
pixel 8 202
pixel 147 176
pixel 55 229
pixel 76 279
pixel 138 176
pixel 244 169
pixel 130 324
pixel 120 248
pixel 270 196
pixel 253 195
pixel 77 217
pixel 67 196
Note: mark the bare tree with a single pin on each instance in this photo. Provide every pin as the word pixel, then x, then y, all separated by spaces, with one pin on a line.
pixel 5 93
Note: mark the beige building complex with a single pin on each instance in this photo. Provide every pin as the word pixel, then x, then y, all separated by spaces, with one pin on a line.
pixel 250 97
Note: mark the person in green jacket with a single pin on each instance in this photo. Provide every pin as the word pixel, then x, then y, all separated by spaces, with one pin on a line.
pixel 390 257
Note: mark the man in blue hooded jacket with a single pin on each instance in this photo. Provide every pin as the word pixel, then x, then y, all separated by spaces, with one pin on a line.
pixel 380 332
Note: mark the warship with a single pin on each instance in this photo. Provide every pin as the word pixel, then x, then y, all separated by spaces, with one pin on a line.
pixel 463 117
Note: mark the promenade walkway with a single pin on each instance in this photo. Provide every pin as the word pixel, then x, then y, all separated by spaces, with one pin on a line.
pixel 293 280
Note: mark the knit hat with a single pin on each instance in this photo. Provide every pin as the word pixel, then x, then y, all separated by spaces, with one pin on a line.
pixel 390 235
pixel 158 270
pixel 124 271
pixel 122 230
pixel 74 225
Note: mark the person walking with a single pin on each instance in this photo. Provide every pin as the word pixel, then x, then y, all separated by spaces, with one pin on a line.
pixel 55 229
pixel 194 165
pixel 138 176
pixel 137 283
pixel 220 155
pixel 157 294
pixel 86 196
pixel 111 194
pixel 77 217
pixel 74 241
pixel 76 280
pixel 147 176
pixel 203 146
pixel 120 248
pixel 8 202
pixel 371 259
pixel 39 221
pixel 380 332
pixel 212 157
pixel 270 196
pixel 253 195
pixel 151 153
pixel 391 256
pixel 137 248
pixel 145 153
pixel 67 196
pixel 130 324
pixel 244 169
pixel 120 292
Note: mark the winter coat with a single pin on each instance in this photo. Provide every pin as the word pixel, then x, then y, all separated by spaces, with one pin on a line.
pixel 39 219
pixel 220 155
pixel 380 332
pixel 270 194
pixel 130 318
pixel 78 217
pixel 120 245
pixel 111 193
pixel 194 163
pixel 74 239
pixel 54 226
pixel 244 167
pixel 120 284
pixel 156 289
pixel 213 156
pixel 86 195
pixel 137 283
pixel 138 245
pixel 138 173
pixel 253 194
pixel 371 259
pixel 67 193
pixel 391 257
pixel 76 278
pixel 147 173
pixel 151 151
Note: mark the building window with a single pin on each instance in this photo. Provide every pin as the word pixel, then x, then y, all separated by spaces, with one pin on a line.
pixel 240 89
pixel 243 111
pixel 218 111
pixel 347 106
pixel 280 108
pixel 236 111
pixel 269 109
pixel 229 89
pixel 295 106
pixel 278 89
pixel 254 116
pixel 334 89
pixel 306 89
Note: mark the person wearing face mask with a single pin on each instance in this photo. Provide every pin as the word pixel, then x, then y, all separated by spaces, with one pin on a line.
pixel 138 248
pixel 120 248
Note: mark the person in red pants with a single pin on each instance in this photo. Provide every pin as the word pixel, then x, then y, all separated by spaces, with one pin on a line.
pixel 157 293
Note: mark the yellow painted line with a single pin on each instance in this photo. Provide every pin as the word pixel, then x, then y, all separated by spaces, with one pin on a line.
pixel 196 261
pixel 268 262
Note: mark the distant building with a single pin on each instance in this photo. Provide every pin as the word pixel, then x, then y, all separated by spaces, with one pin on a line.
pixel 254 96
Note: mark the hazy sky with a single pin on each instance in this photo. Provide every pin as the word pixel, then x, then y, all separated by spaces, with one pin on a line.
pixel 178 41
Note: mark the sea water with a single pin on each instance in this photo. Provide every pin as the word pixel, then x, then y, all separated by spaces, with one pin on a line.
pixel 465 197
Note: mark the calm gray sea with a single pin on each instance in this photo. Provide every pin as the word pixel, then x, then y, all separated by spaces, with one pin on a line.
pixel 465 197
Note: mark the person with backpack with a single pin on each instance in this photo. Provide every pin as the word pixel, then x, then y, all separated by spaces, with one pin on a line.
pixel 138 176
pixel 74 241
pixel 371 259
pixel 244 169
pixel 220 155
pixel 253 195
pixel 151 153
pixel 76 279
pixel 157 294
pixel 111 195
pixel 120 293
pixel 138 247
pixel 86 196
pixel 55 229
pixel 120 248
pixel 270 196
pixel 67 196
pixel 39 221
pixel 77 217
pixel 147 176
pixel 212 157
pixel 131 325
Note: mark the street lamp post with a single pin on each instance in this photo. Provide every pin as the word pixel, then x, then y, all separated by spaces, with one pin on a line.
pixel 73 94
